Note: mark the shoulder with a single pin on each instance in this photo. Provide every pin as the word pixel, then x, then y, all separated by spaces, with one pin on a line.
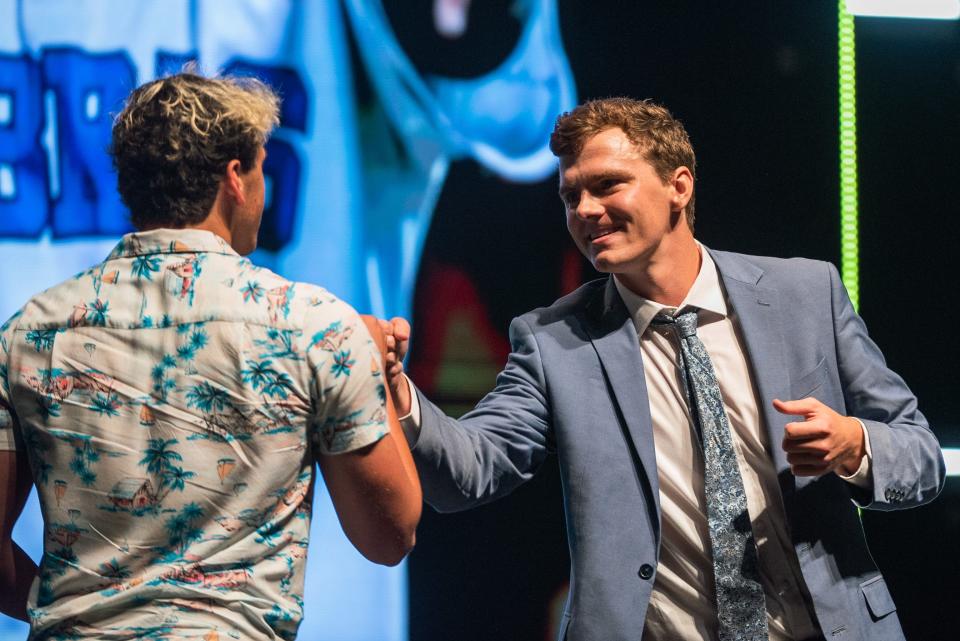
pixel 51 308
pixel 771 271
pixel 281 300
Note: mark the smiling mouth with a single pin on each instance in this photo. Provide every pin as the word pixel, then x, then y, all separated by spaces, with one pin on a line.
pixel 601 233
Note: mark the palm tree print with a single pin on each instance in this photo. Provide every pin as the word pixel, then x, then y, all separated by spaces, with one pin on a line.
pixel 279 344
pixel 42 339
pixel 114 570
pixel 342 363
pixel 269 533
pixel 145 266
pixel 197 341
pixel 266 379
pixel 161 461
pixel 161 384
pixel 47 407
pixel 97 312
pixel 172 478
pixel 291 570
pixel 85 456
pixel 182 530
pixel 258 374
pixel 252 291
pixel 106 404
pixel 207 398
pixel 157 457
pixel 59 561
pixel 277 616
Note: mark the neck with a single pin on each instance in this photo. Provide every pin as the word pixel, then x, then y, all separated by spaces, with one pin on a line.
pixel 667 276
pixel 215 222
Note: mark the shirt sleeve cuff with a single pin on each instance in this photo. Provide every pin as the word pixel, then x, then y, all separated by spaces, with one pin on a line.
pixel 410 422
pixel 862 478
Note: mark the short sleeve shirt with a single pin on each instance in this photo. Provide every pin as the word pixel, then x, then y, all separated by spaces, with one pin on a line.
pixel 172 401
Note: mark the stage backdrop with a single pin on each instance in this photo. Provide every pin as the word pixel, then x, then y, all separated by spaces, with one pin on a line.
pixel 353 172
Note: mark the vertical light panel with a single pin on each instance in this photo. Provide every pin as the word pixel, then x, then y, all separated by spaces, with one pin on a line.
pixel 849 223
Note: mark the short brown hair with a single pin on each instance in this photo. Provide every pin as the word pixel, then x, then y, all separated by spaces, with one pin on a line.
pixel 174 138
pixel 659 136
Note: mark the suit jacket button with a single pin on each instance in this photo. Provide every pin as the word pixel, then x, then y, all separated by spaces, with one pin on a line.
pixel 646 571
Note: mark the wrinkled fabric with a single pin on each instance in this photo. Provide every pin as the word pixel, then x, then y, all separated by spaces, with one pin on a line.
pixel 172 401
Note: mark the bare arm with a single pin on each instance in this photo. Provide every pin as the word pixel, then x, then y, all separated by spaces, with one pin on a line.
pixel 375 490
pixel 17 570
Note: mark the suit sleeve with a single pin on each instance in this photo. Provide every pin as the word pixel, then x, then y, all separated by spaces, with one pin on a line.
pixel 495 447
pixel 907 464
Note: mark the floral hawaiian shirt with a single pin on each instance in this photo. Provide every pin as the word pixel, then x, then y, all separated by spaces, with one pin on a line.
pixel 172 401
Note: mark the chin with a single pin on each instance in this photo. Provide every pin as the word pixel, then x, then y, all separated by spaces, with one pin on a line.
pixel 606 264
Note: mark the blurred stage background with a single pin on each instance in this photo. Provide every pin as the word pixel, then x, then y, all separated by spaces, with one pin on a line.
pixel 410 176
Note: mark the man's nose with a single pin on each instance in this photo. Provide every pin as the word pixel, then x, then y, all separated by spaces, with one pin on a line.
pixel 589 207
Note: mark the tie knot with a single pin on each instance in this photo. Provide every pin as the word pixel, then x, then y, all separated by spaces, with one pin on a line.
pixel 684 323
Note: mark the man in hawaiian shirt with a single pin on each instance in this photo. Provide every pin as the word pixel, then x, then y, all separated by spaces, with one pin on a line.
pixel 170 402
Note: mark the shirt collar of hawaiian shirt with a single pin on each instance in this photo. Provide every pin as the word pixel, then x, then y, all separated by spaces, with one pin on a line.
pixel 706 294
pixel 171 241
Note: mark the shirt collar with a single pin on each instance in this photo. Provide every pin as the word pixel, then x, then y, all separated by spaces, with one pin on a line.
pixel 706 294
pixel 171 241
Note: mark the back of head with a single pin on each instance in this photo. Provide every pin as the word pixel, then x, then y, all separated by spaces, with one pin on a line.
pixel 659 136
pixel 174 138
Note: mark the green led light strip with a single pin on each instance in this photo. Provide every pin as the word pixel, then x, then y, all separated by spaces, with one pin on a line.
pixel 849 223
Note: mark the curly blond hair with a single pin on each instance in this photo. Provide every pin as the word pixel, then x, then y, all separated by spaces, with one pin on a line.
pixel 174 138
pixel 659 136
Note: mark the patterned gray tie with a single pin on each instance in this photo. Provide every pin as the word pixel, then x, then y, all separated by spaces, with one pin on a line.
pixel 741 608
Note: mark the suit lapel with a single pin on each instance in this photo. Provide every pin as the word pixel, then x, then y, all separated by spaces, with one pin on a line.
pixel 614 337
pixel 758 311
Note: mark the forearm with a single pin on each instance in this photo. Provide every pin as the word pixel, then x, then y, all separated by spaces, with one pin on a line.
pixel 402 448
pixel 17 572
pixel 495 447
pixel 479 458
pixel 375 489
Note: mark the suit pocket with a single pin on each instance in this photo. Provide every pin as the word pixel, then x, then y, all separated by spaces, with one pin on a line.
pixel 805 385
pixel 878 598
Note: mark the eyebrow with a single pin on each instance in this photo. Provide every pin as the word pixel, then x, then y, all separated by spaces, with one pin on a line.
pixel 609 174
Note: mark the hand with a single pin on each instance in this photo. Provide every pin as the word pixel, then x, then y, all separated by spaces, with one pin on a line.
pixel 824 441
pixel 396 332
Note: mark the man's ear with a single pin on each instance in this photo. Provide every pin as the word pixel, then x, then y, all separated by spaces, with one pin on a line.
pixel 233 182
pixel 682 183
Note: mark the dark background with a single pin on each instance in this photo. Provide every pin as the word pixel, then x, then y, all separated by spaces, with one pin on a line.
pixel 756 85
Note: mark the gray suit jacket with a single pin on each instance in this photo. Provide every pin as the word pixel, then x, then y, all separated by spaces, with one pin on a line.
pixel 574 383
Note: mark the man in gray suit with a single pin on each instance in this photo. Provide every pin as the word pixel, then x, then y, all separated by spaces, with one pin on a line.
pixel 699 505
